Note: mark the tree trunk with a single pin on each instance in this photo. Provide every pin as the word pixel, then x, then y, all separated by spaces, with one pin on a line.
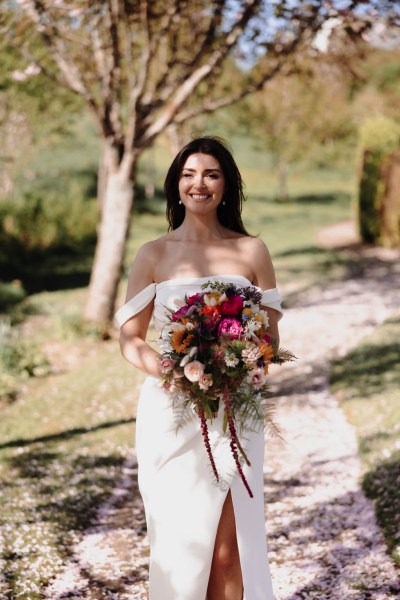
pixel 110 249
pixel 102 178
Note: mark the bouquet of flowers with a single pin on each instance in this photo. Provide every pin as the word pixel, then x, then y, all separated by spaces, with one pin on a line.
pixel 216 349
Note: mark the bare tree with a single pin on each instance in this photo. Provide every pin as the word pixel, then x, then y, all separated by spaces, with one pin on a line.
pixel 142 65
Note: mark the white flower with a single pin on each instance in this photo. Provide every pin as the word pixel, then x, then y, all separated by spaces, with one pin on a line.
pixel 265 317
pixel 251 327
pixel 210 300
pixel 194 370
pixel 184 360
pixel 231 360
pixel 177 327
pixel 189 325
pixel 193 351
pixel 251 354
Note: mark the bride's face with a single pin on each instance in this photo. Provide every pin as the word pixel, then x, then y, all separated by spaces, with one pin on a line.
pixel 201 183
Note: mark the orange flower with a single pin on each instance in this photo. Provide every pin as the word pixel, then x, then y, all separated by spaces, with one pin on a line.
pixel 211 310
pixel 180 340
pixel 267 352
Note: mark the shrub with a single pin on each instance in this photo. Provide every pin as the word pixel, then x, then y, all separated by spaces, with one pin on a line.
pixel 41 234
pixel 20 359
pixel 10 294
pixel 378 200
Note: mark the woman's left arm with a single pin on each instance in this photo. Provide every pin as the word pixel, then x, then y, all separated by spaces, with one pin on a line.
pixel 264 277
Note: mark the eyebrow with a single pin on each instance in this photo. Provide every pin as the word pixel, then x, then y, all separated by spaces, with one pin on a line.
pixel 205 170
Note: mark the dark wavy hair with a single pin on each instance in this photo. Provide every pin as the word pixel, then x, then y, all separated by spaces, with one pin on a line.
pixel 229 214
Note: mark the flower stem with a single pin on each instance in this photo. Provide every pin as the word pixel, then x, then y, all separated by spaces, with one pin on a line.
pixel 235 444
pixel 204 431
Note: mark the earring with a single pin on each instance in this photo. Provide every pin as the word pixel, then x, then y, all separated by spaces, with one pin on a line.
pixel 223 203
pixel 180 202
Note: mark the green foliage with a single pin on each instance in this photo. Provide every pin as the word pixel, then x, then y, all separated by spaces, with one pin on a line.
pixel 382 485
pixel 367 383
pixel 10 294
pixel 20 358
pixel 40 229
pixel 72 326
pixel 380 134
pixel 379 137
pixel 369 196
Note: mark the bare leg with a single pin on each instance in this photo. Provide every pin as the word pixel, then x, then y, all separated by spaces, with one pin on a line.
pixel 226 581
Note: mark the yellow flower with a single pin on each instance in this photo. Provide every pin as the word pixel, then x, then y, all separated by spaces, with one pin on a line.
pixel 212 299
pixel 180 340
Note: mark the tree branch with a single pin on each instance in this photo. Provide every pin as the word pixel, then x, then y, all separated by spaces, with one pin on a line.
pixel 189 85
pixel 53 39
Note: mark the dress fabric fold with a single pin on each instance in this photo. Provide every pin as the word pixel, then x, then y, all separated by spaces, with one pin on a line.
pixel 182 500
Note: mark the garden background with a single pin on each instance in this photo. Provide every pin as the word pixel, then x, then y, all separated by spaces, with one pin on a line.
pixel 316 145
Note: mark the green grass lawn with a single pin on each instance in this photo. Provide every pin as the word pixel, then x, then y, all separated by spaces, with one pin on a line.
pixel 367 385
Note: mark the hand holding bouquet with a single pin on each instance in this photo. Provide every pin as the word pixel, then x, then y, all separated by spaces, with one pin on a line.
pixel 217 349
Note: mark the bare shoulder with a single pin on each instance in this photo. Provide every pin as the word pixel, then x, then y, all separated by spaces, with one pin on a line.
pixel 255 248
pixel 260 262
pixel 143 268
pixel 150 253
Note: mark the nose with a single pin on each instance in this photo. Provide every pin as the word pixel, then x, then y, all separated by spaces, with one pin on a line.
pixel 199 181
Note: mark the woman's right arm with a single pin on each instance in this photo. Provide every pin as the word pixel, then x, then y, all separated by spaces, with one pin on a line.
pixel 134 347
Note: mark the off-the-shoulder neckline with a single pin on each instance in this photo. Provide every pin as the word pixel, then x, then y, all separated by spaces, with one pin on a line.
pixel 185 280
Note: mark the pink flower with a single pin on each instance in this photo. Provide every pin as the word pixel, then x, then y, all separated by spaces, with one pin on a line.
pixel 256 377
pixel 205 381
pixel 230 327
pixel 179 314
pixel 195 299
pixel 232 306
pixel 267 338
pixel 167 364
pixel 194 370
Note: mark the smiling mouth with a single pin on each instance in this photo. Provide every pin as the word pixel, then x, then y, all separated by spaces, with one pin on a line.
pixel 200 196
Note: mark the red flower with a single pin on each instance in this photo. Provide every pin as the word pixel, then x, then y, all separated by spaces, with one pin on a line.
pixel 232 306
pixel 179 314
pixel 212 316
pixel 195 299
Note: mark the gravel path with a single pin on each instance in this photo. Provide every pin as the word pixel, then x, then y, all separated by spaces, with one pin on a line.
pixel 323 538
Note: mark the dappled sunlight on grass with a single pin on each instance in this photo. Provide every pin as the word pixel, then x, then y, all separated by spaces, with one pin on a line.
pixel 62 446
pixel 367 383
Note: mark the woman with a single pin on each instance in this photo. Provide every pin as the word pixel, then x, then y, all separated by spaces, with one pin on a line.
pixel 205 541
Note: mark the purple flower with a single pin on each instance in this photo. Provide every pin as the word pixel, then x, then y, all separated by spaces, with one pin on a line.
pixel 195 299
pixel 230 327
pixel 179 314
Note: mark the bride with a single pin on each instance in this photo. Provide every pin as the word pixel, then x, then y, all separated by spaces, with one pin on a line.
pixel 206 541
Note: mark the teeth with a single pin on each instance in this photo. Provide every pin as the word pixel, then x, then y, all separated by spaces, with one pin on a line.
pixel 200 196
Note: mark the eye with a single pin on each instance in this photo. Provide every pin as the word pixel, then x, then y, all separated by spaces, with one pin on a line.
pixel 186 175
pixel 213 175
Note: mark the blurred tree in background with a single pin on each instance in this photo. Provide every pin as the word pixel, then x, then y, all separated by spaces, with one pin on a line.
pixel 379 188
pixel 136 67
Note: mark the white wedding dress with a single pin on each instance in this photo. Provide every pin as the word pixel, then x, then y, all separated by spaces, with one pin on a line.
pixel 182 500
